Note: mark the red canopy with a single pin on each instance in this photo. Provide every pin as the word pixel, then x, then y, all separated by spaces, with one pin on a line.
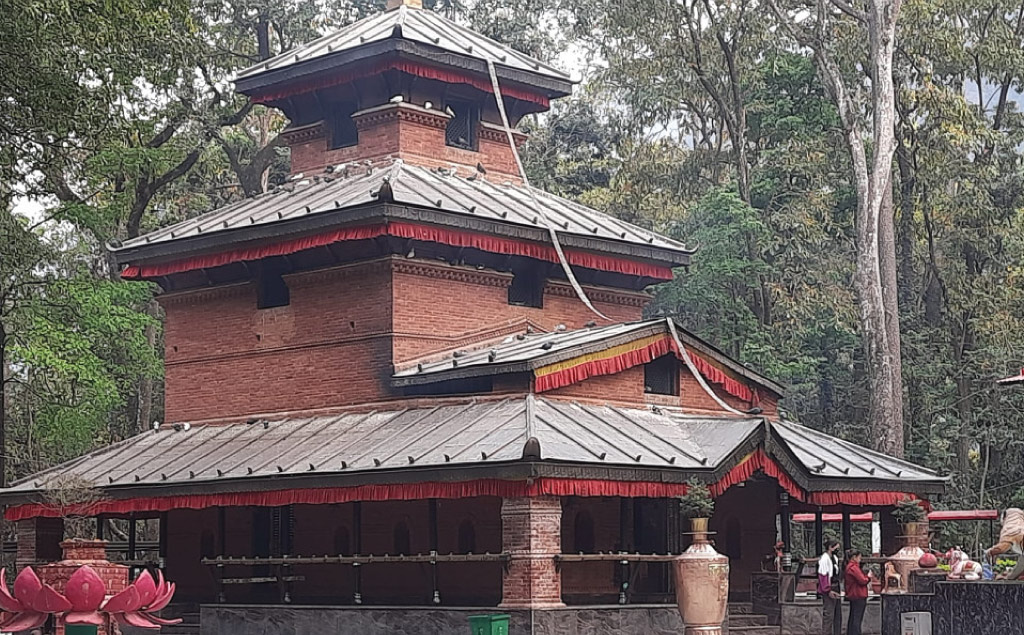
pixel 1016 379
pixel 938 516
pixel 964 514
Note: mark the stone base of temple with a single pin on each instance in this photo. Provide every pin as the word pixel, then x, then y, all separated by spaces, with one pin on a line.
pixel 226 619
pixel 956 607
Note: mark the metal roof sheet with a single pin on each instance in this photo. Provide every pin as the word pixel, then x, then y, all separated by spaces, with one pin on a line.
pixel 464 196
pixel 416 25
pixel 828 456
pixel 463 434
pixel 529 350
pixel 454 435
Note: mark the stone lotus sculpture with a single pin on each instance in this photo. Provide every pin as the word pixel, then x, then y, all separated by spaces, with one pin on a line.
pixel 84 601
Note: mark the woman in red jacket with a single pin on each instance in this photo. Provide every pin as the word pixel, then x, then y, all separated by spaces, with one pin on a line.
pixel 856 592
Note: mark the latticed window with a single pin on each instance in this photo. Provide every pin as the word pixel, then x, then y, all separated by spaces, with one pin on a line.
pixel 461 129
pixel 661 376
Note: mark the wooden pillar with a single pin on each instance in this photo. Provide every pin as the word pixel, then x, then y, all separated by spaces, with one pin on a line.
pixel 162 548
pixel 819 533
pixel 133 526
pixel 626 545
pixel 531 532
pixel 785 529
pixel 357 544
pixel 432 514
pixel 222 540
pixel 847 530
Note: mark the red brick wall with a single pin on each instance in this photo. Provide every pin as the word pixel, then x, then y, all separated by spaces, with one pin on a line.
pixel 591 578
pixel 396 583
pixel 332 345
pixel 185 537
pixel 531 532
pixel 750 511
pixel 474 300
pixel 628 387
pixel 415 135
pixel 329 347
pixel 317 529
pixel 477 583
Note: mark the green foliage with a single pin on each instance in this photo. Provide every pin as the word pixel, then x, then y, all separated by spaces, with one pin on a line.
pixel 697 501
pixel 909 510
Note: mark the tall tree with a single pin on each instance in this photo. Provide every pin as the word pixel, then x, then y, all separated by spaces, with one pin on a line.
pixel 869 123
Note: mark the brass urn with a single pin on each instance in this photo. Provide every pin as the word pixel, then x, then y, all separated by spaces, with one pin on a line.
pixel 702 583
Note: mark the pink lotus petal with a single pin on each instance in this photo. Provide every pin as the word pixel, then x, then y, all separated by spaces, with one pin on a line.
pixel 137 620
pixel 84 617
pixel 127 600
pixel 160 620
pixel 24 621
pixel 162 600
pixel 48 600
pixel 26 586
pixel 7 601
pixel 85 590
pixel 146 588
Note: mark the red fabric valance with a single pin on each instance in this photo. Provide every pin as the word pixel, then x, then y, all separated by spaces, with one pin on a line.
pixel 717 376
pixel 446 75
pixel 759 461
pixel 323 496
pixel 455 238
pixel 600 367
pixel 619 363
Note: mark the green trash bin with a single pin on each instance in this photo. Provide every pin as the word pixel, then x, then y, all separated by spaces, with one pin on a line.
pixel 489 624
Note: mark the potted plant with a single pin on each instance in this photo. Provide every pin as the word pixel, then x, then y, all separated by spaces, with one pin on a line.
pixel 696 505
pixel 701 573
pixel 910 514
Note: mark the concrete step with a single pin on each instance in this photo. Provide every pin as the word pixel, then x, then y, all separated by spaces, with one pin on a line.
pixel 741 608
pixel 754 630
pixel 740 620
pixel 180 629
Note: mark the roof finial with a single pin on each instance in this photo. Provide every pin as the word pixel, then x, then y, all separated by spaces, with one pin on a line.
pixel 412 4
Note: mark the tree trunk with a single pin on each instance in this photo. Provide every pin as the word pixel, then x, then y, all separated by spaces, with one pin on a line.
pixel 876 245
pixel 890 295
pixel 146 387
pixel 3 412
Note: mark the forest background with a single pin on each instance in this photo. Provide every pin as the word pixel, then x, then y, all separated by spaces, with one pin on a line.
pixel 707 121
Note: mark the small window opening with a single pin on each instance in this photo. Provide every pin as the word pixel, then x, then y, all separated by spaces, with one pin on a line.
pixel 272 290
pixel 583 533
pixel 461 129
pixel 661 376
pixel 527 288
pixel 467 537
pixel 401 538
pixel 343 129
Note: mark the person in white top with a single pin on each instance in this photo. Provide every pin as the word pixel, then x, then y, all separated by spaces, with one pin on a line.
pixel 829 590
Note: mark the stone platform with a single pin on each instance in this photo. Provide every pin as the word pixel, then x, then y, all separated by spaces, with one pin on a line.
pixel 962 608
pixel 225 619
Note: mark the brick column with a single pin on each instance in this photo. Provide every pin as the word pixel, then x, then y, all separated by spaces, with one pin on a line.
pixel 531 531
pixel 94 554
pixel 39 541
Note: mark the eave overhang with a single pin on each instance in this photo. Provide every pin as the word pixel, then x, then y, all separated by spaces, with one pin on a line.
pixel 166 251
pixel 253 85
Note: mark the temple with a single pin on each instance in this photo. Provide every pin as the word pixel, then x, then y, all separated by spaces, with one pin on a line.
pixel 386 402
